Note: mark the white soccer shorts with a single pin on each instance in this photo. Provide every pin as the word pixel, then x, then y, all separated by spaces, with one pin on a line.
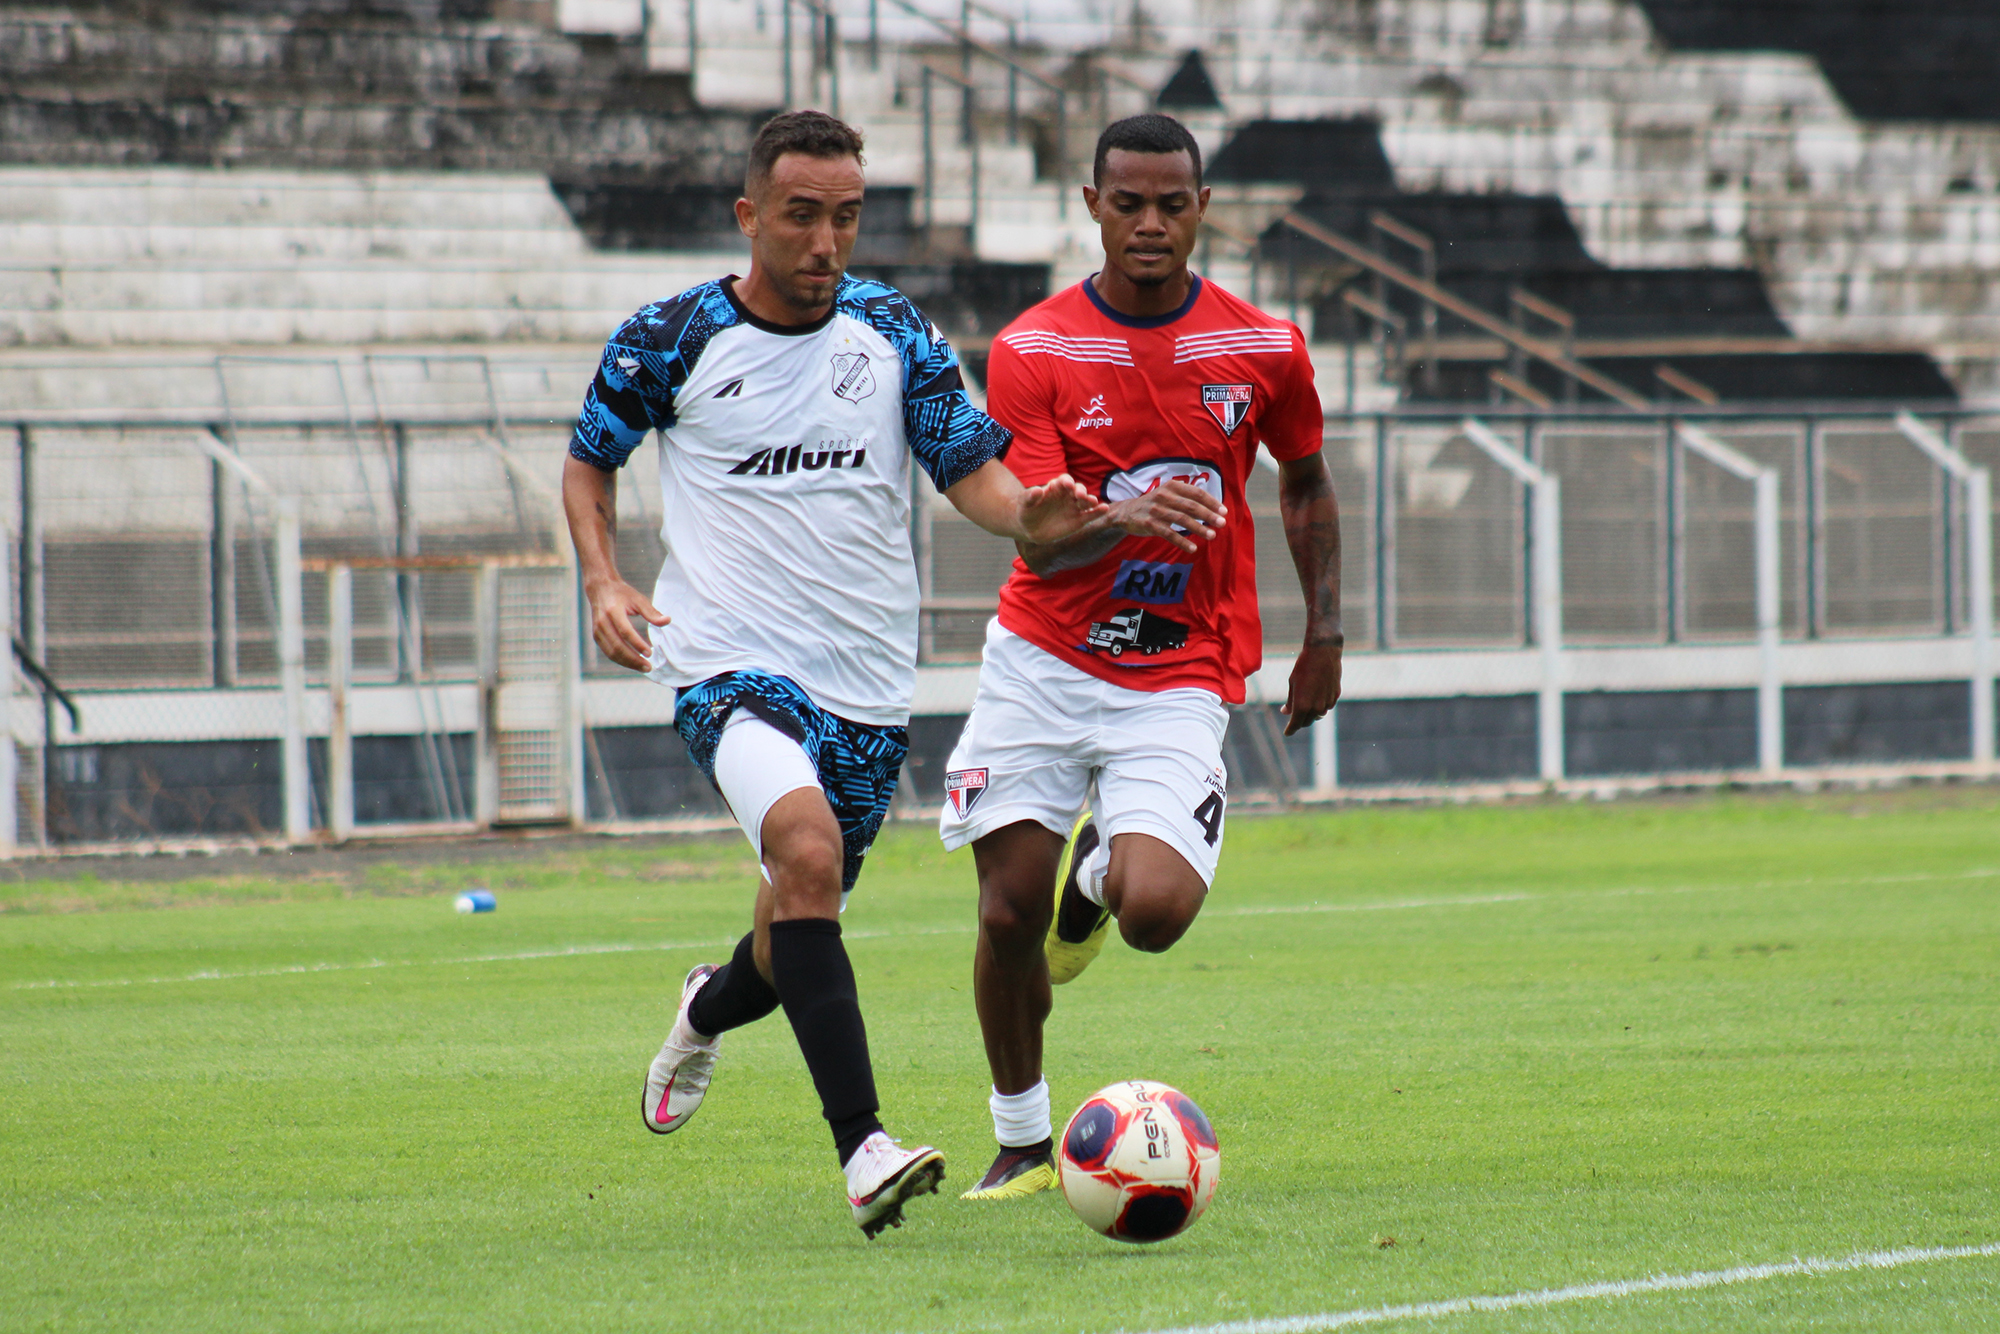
pixel 1045 740
pixel 755 765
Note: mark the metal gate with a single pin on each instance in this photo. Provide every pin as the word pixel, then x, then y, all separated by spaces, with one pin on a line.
pixel 528 719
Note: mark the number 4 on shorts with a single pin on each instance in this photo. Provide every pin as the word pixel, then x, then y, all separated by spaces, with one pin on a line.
pixel 1209 816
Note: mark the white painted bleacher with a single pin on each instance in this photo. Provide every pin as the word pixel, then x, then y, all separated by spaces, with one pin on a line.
pixel 1867 232
pixel 161 256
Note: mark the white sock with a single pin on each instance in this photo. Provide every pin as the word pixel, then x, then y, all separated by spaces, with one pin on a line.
pixel 1021 1119
pixel 1090 880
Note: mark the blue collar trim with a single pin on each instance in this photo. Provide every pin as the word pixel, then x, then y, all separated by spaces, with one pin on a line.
pixel 1142 321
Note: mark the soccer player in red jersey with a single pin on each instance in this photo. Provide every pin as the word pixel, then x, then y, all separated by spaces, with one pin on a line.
pixel 1107 673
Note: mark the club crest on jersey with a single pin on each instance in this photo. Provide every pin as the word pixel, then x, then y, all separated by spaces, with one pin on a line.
pixel 963 788
pixel 853 380
pixel 1229 404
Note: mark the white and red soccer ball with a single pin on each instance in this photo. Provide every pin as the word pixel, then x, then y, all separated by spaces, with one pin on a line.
pixel 1139 1161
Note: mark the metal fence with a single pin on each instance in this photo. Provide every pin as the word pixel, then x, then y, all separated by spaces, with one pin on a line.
pixel 1657 536
pixel 277 627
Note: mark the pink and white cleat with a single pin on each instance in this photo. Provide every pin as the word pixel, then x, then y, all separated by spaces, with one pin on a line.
pixel 678 1079
pixel 882 1175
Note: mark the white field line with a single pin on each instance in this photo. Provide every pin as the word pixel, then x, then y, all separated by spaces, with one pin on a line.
pixel 561 952
pixel 1586 1292
pixel 1252 910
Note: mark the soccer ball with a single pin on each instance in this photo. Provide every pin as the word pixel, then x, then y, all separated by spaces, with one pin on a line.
pixel 1139 1161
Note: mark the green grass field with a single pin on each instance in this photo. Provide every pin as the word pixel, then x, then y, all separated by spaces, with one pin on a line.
pixel 1448 1051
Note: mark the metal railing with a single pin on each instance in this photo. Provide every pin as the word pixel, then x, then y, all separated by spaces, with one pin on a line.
pixel 1016 70
pixel 1435 298
pixel 1549 557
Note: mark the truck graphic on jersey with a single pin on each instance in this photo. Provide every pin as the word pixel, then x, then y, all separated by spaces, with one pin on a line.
pixel 1137 629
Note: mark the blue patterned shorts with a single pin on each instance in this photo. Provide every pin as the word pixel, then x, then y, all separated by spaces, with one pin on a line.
pixel 858 765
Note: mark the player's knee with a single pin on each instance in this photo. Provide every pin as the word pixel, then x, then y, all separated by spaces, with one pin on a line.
pixel 1152 917
pixel 806 871
pixel 1154 928
pixel 1014 922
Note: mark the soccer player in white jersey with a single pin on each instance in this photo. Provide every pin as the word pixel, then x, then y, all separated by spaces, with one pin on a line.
pixel 789 405
pixel 1116 649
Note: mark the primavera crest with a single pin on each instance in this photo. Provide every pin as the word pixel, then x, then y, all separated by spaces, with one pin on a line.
pixel 963 788
pixel 853 379
pixel 1229 404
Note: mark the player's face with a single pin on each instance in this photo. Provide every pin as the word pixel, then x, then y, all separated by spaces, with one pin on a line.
pixel 802 226
pixel 1148 210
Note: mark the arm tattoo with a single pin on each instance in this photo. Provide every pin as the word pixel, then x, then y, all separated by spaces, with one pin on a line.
pixel 1312 531
pixel 1086 546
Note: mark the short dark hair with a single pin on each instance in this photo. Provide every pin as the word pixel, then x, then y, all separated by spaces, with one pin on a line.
pixel 813 133
pixel 1148 133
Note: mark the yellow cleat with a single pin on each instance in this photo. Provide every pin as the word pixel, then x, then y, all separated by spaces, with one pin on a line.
pixel 1078 931
pixel 1016 1174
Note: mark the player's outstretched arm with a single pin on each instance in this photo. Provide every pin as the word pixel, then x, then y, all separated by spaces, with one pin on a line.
pixel 1312 530
pixel 994 499
pixel 1182 514
pixel 590 499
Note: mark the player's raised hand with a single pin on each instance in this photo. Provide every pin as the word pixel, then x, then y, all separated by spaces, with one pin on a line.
pixel 994 498
pixel 1057 508
pixel 613 604
pixel 1178 511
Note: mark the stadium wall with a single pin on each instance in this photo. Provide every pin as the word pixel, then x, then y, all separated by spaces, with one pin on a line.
pixel 113 792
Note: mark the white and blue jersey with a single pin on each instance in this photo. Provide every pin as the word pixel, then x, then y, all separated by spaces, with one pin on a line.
pixel 785 483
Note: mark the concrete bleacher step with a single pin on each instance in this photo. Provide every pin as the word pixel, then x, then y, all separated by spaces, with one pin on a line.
pixel 362 301
pixel 422 381
pixel 163 214
pixel 1663 158
pixel 1931 62
pixel 179 255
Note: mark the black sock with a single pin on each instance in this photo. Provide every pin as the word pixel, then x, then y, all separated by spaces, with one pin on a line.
pixel 734 995
pixel 816 984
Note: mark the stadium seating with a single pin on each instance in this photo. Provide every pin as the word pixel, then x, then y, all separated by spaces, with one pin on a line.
pixel 468 194
pixel 1714 151
pixel 1933 61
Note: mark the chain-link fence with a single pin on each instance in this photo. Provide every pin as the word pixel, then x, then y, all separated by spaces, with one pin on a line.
pixel 401 544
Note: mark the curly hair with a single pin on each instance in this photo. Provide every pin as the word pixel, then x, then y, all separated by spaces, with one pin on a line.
pixel 1148 133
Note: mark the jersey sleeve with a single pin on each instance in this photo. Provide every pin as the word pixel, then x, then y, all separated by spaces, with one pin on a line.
pixel 1294 426
pixel 949 437
pixel 644 365
pixel 1018 397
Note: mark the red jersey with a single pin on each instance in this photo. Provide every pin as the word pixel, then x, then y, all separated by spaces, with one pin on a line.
pixel 1123 404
